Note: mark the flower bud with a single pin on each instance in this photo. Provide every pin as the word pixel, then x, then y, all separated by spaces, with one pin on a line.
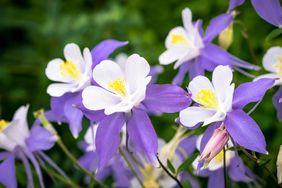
pixel 279 165
pixel 216 143
pixel 225 38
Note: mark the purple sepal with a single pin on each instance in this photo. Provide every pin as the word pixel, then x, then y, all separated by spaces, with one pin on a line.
pixel 66 108
pixel 216 179
pixel 251 92
pixel 196 69
pixel 40 139
pixel 235 3
pixel 142 134
pixel 8 171
pixel 278 105
pixel 245 131
pixel 108 138
pixel 183 70
pixel 238 171
pixel 104 49
pixel 269 10
pixel 217 25
pixel 166 98
pixel 89 161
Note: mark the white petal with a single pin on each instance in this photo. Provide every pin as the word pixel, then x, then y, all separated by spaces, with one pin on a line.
pixel 191 116
pixel 136 72
pixel 270 58
pixel 140 93
pixel 89 137
pixel 121 60
pixel 96 98
pixel 107 71
pixel 187 19
pixel 6 143
pixel 123 106
pixel 53 71
pixel 196 163
pixel 216 164
pixel 190 54
pixel 72 53
pixel 221 78
pixel 87 63
pixel 18 128
pixel 172 54
pixel 218 116
pixel 57 90
pixel 199 83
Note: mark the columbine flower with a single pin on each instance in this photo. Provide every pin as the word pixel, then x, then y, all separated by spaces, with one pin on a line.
pixel 218 102
pixel 76 73
pixel 272 62
pixel 236 169
pixel 22 144
pixel 193 51
pixel 124 95
pixel 270 11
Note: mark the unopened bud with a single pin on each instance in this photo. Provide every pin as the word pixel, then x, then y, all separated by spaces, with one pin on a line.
pixel 225 38
pixel 279 166
pixel 216 143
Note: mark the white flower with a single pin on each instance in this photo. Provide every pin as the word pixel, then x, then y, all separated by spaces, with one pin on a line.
pixel 217 161
pixel 214 98
pixel 120 89
pixel 15 132
pixel 74 73
pixel 272 62
pixel 182 43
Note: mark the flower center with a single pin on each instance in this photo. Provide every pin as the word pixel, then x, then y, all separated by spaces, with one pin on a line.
pixel 219 156
pixel 3 124
pixel 207 98
pixel 118 86
pixel 278 65
pixel 179 39
pixel 69 69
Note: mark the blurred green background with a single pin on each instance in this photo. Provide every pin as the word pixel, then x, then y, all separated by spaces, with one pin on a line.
pixel 32 32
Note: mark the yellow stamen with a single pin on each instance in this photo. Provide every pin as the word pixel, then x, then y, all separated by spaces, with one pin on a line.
pixel 149 180
pixel 278 65
pixel 207 98
pixel 69 69
pixel 219 156
pixel 118 86
pixel 179 39
pixel 3 124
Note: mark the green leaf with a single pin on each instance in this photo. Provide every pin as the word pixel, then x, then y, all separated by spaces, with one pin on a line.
pixel 170 166
pixel 187 163
pixel 273 34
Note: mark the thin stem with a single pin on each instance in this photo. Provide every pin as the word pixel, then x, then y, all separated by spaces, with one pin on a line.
pixel 130 167
pixel 168 173
pixel 59 177
pixel 224 168
pixel 73 159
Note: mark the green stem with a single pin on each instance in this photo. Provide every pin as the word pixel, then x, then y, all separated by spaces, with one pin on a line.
pixel 168 173
pixel 60 177
pixel 224 168
pixel 73 159
pixel 131 167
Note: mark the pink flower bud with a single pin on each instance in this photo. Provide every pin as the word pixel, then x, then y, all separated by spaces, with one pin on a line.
pixel 279 165
pixel 216 143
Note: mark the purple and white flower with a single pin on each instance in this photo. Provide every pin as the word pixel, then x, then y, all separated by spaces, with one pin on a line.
pixel 125 96
pixel 26 145
pixel 76 74
pixel 218 102
pixel 193 50
pixel 272 62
